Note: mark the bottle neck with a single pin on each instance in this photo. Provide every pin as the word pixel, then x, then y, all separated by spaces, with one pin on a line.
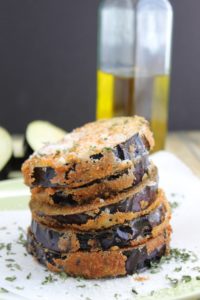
pixel 157 4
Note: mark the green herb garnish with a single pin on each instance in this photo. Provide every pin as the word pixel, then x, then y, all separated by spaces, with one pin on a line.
pixel 13 278
pixel 186 278
pixel 28 276
pixel 10 260
pixel 134 291
pixel 63 275
pixel 107 149
pixel 8 247
pixel 173 281
pixel 14 267
pixel 21 240
pixel 173 204
pixel 2 246
pixel 197 277
pixel 155 267
pixel 177 269
pixel 3 290
pixel 49 279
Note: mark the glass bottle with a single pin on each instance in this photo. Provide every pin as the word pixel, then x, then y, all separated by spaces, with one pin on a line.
pixel 134 51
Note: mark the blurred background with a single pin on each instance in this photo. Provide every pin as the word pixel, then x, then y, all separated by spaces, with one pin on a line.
pixel 48 63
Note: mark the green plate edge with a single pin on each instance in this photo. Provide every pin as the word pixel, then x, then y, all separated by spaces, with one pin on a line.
pixel 184 291
pixel 14 202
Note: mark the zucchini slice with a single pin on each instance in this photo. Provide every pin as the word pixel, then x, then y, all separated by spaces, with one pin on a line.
pixel 40 132
pixel 6 152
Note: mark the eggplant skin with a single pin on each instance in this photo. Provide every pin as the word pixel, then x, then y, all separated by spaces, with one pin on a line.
pixel 102 188
pixel 130 204
pixel 101 264
pixel 127 234
pixel 43 176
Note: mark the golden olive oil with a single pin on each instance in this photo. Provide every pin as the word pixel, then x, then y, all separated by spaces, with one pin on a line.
pixel 114 95
pixel 147 96
pixel 160 103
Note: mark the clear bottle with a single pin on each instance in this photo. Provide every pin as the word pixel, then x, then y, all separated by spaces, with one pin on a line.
pixel 134 50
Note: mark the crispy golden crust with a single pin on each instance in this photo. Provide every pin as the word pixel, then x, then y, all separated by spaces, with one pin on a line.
pixel 102 220
pixel 78 147
pixel 71 240
pixel 104 188
pixel 40 203
pixel 69 243
pixel 102 264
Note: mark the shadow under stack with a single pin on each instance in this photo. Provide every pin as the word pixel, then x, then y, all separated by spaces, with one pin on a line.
pixel 96 207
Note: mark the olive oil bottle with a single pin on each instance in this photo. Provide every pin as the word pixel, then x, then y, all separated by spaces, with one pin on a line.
pixel 148 96
pixel 134 50
pixel 114 95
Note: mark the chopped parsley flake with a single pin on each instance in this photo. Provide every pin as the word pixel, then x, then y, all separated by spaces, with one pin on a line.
pixel 14 267
pixel 155 267
pixel 3 290
pixel 181 255
pixel 49 279
pixel 21 240
pixel 10 260
pixel 79 278
pixel 134 291
pixel 63 275
pixel 177 269
pixel 12 278
pixel 186 278
pixel 8 247
pixel 19 288
pixel 107 149
pixel 96 284
pixel 28 276
pixel 173 281
pixel 173 204
pixel 152 293
pixel 197 277
pixel 2 246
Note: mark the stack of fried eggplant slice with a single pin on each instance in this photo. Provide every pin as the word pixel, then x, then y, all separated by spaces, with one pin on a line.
pixel 96 207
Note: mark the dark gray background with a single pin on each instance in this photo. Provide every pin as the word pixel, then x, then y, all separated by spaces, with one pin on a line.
pixel 48 63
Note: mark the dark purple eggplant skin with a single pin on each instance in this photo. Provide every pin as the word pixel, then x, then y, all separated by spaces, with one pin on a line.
pixel 64 199
pixel 117 235
pixel 131 204
pixel 42 176
pixel 138 259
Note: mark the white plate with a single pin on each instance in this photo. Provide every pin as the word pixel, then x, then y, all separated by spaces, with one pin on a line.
pixel 180 186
